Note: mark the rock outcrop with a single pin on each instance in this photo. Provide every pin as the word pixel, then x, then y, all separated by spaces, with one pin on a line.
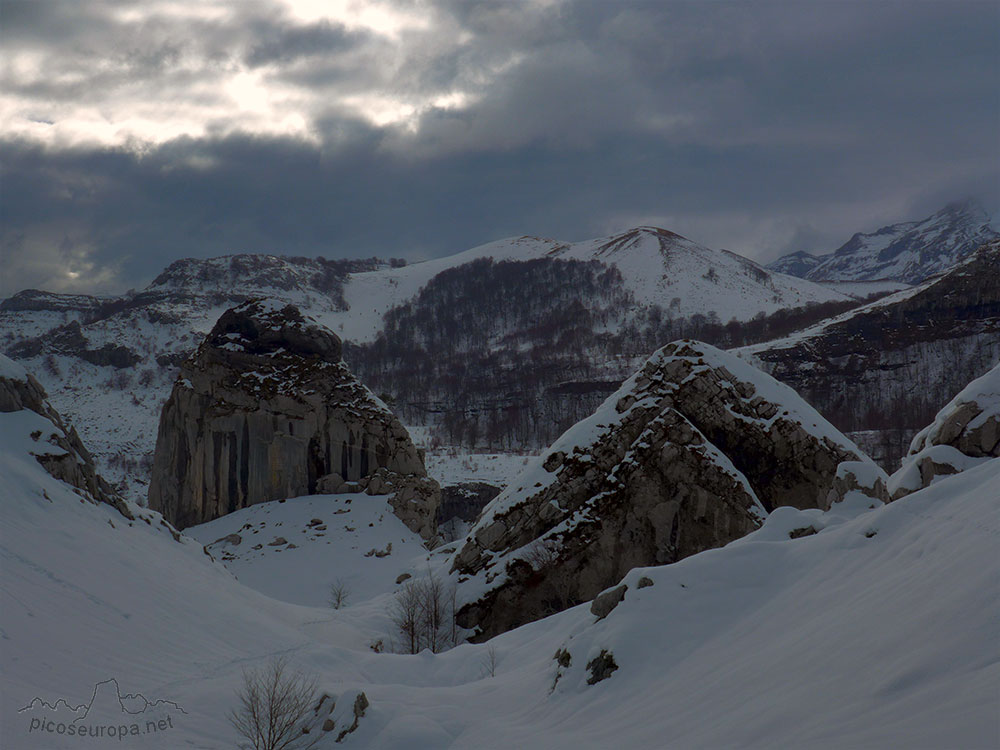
pixel 964 433
pixel 691 453
pixel 60 452
pixel 264 410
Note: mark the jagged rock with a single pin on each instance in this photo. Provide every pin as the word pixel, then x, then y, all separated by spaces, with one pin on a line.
pixel 65 458
pixel 858 477
pixel 264 410
pixel 964 433
pixel 691 453
pixel 415 501
pixel 360 706
pixel 605 602
pixel 70 340
pixel 644 582
pixel 601 667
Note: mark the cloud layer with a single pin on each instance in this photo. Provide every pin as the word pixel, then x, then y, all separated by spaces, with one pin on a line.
pixel 137 133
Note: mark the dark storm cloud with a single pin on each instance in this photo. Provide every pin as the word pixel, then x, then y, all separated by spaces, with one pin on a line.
pixel 759 127
pixel 283 45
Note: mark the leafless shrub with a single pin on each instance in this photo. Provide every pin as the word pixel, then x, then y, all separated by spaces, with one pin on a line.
pixel 339 592
pixel 541 554
pixel 147 377
pixel 120 380
pixel 490 662
pixel 275 703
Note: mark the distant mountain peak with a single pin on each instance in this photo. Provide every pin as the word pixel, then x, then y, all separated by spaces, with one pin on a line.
pixel 908 251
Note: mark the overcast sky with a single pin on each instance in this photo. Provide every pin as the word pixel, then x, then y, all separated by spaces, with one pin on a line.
pixel 136 133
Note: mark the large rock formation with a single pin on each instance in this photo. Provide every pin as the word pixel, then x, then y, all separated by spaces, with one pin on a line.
pixel 265 409
pixel 60 451
pixel 964 433
pixel 691 453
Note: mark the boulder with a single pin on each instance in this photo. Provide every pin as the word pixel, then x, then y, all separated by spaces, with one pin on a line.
pixel 691 453
pixel 266 409
pixel 605 602
pixel 964 433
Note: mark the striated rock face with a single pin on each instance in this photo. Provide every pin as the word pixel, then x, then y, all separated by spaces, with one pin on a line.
pixel 263 410
pixel 61 451
pixel 964 433
pixel 691 453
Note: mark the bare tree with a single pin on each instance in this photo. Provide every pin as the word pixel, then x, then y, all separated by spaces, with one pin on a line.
pixel 339 592
pixel 432 610
pixel 420 614
pixel 405 612
pixel 275 703
pixel 453 606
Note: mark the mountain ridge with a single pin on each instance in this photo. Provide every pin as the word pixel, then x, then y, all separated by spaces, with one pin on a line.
pixel 908 251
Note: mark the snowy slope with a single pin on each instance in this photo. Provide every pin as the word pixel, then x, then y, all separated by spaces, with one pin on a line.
pixel 799 263
pixel 910 251
pixel 659 265
pixel 878 631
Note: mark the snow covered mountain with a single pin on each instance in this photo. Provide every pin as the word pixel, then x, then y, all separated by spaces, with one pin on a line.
pixel 910 251
pixel 877 630
pixel 108 363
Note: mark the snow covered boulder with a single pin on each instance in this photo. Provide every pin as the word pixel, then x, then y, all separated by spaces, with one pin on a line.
pixel 691 453
pixel 262 411
pixel 59 450
pixel 964 433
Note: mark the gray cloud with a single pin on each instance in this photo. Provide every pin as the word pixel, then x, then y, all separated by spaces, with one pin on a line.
pixel 761 127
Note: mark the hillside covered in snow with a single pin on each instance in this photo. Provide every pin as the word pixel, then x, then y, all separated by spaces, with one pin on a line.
pixel 910 251
pixel 878 629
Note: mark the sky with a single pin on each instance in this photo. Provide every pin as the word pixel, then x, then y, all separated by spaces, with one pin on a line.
pixel 136 133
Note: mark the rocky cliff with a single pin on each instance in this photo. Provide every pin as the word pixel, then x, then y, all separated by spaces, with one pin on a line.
pixel 881 372
pixel 964 433
pixel 265 409
pixel 691 453
pixel 61 451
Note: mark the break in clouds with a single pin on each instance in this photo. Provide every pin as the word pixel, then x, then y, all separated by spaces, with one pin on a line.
pixel 137 133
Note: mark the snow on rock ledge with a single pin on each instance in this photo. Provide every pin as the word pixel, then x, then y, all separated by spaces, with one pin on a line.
pixel 264 410
pixel 689 454
pixel 964 433
pixel 60 452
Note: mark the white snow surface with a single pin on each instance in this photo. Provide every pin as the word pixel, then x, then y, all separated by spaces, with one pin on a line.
pixel 864 289
pixel 12 370
pixel 878 631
